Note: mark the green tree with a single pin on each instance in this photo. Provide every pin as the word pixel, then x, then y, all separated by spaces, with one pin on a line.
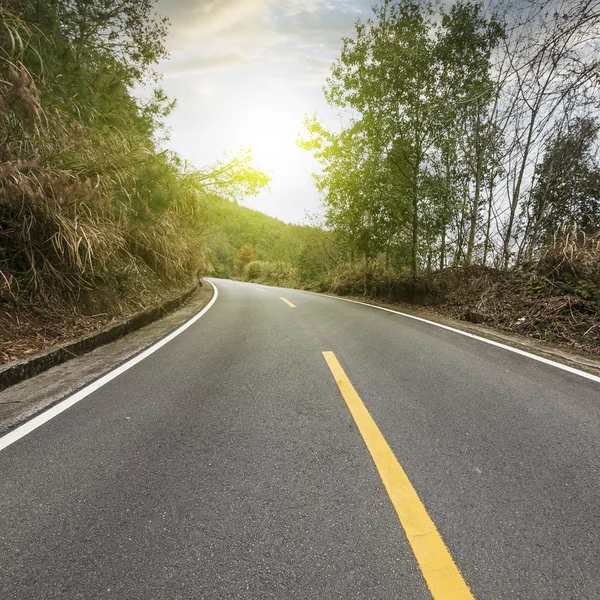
pixel 384 78
pixel 567 188
pixel 353 188
pixel 467 101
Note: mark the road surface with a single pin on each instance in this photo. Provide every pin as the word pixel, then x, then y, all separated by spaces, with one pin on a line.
pixel 232 463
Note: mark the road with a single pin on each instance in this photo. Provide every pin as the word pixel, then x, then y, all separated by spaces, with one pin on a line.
pixel 230 464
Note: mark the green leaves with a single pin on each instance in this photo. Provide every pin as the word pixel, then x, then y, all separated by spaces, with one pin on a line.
pixel 414 91
pixel 567 187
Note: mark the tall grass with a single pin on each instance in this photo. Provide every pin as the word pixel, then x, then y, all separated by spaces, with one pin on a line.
pixel 77 205
pixel 271 273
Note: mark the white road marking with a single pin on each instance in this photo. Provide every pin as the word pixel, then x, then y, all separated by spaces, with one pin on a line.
pixel 541 359
pixel 31 425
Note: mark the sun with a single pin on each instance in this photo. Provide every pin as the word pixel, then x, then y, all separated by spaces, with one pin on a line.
pixel 270 131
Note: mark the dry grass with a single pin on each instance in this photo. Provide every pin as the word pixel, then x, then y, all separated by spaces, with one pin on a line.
pixel 29 328
pixel 556 299
pixel 271 273
pixel 78 244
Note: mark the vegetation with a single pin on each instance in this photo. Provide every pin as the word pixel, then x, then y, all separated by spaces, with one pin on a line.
pixel 237 235
pixel 93 214
pixel 468 140
pixel 469 135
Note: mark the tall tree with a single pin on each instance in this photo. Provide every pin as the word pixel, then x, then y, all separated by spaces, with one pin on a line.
pixel 467 95
pixel 555 58
pixel 567 187
pixel 353 187
pixel 385 76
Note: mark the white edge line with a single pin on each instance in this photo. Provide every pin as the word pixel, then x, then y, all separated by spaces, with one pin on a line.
pixel 32 424
pixel 541 359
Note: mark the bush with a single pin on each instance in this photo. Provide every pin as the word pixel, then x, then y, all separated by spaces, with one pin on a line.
pixel 571 266
pixel 86 200
pixel 271 273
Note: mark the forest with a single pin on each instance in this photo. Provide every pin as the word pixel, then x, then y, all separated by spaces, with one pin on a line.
pixel 463 171
pixel 470 135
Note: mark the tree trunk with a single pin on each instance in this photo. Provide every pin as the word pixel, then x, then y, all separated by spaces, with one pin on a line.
pixel 517 191
pixel 460 240
pixel 414 267
pixel 443 249
pixel 486 243
pixel 474 211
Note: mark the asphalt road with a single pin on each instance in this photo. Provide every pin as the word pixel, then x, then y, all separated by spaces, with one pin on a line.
pixel 228 465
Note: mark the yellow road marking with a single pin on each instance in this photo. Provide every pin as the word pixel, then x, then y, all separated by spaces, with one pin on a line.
pixel 259 290
pixel 441 574
pixel 287 302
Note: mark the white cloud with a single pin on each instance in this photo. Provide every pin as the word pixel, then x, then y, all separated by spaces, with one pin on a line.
pixel 209 17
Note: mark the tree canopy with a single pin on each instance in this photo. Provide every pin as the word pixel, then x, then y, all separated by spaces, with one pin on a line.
pixel 452 119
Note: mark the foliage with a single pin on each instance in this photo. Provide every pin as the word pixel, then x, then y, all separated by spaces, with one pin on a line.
pixel 418 93
pixel 271 273
pixel 229 226
pixel 467 132
pixel 567 188
pixel 88 201
pixel 245 255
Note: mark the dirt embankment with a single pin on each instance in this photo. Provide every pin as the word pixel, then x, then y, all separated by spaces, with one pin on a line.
pixel 29 327
pixel 556 299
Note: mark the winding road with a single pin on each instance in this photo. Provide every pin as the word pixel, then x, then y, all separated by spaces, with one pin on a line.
pixel 291 445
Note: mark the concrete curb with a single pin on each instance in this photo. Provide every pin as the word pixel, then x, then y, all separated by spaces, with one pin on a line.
pixel 22 369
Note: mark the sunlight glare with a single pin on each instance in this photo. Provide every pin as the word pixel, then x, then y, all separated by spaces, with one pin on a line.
pixel 270 131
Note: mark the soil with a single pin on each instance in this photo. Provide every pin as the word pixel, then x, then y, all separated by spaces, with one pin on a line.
pixel 27 328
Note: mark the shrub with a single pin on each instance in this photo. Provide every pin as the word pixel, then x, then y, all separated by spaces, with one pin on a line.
pixel 271 273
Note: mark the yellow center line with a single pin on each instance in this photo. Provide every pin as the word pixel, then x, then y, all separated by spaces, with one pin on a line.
pixel 441 574
pixel 259 290
pixel 287 302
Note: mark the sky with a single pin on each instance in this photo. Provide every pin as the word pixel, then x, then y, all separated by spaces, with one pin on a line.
pixel 244 74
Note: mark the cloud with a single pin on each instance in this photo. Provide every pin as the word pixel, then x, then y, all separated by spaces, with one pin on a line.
pixel 209 17
pixel 191 64
pixel 209 34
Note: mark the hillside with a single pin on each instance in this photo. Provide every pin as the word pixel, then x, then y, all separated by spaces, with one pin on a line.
pixel 97 220
pixel 232 226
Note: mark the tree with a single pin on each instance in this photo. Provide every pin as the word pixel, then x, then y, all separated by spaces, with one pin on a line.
pixel 353 187
pixel 421 103
pixel 385 76
pixel 554 62
pixel 467 97
pixel 567 187
pixel 87 197
pixel 244 256
pixel 445 116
